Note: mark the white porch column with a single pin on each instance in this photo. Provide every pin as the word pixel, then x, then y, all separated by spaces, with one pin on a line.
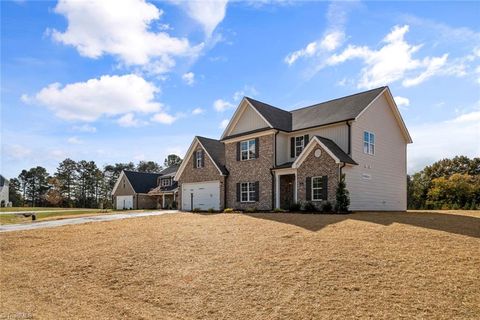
pixel 277 190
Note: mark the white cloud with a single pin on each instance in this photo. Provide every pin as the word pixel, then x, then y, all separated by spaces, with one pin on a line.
pixel 222 105
pixel 332 38
pixel 108 95
pixel 74 140
pixel 402 101
pixel 129 120
pixel 224 123
pixel 164 118
pixel 247 90
pixel 85 128
pixel 197 111
pixel 392 62
pixel 121 29
pixel 207 13
pixel 189 78
pixel 17 151
pixel 435 141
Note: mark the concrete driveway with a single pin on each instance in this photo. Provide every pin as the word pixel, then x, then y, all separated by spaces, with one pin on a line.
pixel 66 222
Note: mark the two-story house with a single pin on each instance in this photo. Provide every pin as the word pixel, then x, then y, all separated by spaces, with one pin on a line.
pixel 269 158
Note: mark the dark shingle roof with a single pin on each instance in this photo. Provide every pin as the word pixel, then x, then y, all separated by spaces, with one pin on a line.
pixel 216 150
pixel 278 118
pixel 342 109
pixel 169 171
pixel 337 110
pixel 142 182
pixel 336 150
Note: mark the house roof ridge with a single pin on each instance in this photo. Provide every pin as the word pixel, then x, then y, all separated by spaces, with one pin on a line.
pixel 248 98
pixel 339 98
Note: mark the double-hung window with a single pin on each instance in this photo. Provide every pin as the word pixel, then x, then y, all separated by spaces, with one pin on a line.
pixel 299 145
pixel 317 188
pixel 369 143
pixel 247 150
pixel 247 192
pixel 198 158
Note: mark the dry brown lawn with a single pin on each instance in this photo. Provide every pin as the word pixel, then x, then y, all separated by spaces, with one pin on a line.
pixel 423 265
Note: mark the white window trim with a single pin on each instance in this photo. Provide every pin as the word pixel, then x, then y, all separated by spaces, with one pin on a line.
pixel 369 143
pixel 247 142
pixel 303 145
pixel 166 182
pixel 321 188
pixel 198 158
pixel 249 184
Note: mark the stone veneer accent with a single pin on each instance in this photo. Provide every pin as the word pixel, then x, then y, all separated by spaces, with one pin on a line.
pixel 208 172
pixel 250 171
pixel 312 167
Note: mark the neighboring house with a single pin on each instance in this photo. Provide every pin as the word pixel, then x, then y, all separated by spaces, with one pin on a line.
pixel 4 192
pixel 136 190
pixel 272 158
pixel 167 189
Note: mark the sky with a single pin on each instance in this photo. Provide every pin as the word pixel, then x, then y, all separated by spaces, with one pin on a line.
pixel 118 81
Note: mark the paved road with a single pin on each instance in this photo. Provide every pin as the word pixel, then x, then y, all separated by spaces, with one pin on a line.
pixel 65 222
pixel 44 211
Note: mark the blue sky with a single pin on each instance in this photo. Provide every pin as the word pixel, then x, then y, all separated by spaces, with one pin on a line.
pixel 91 80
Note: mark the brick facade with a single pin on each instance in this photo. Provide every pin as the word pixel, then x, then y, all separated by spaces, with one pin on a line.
pixel 208 172
pixel 250 171
pixel 313 167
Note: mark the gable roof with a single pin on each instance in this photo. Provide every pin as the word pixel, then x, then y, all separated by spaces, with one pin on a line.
pixel 277 118
pixel 330 147
pixel 216 150
pixel 169 171
pixel 213 148
pixel 332 111
pixel 337 110
pixel 142 182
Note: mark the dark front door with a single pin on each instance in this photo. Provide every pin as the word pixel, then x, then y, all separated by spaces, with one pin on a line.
pixel 287 188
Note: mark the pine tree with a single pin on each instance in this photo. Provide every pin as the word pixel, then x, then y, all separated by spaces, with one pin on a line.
pixel 342 196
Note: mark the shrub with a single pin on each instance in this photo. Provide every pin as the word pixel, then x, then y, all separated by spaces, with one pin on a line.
pixel 278 210
pixel 294 207
pixel 342 196
pixel 327 207
pixel 174 205
pixel 228 210
pixel 310 207
pixel 196 210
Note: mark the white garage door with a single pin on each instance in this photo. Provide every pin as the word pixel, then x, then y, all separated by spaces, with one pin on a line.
pixel 124 202
pixel 203 195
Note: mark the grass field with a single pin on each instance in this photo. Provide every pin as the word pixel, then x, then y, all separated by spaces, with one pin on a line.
pixel 49 214
pixel 259 266
pixel 15 209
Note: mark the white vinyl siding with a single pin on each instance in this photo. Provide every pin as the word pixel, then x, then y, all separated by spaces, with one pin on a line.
pixel 337 133
pixel 379 182
pixel 250 120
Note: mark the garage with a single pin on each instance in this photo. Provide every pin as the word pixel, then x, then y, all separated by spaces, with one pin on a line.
pixel 201 195
pixel 124 202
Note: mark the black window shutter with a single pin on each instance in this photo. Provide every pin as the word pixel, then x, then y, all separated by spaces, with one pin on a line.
pixel 257 148
pixel 308 187
pixel 292 147
pixel 305 140
pixel 257 191
pixel 238 151
pixel 238 192
pixel 325 187
pixel 194 159
pixel 203 158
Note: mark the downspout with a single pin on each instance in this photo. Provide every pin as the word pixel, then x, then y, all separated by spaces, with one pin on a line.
pixel 349 147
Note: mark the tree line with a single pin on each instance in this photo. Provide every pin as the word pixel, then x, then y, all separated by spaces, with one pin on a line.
pixel 79 184
pixel 446 184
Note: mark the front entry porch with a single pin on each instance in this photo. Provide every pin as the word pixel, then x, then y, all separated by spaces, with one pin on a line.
pixel 285 188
